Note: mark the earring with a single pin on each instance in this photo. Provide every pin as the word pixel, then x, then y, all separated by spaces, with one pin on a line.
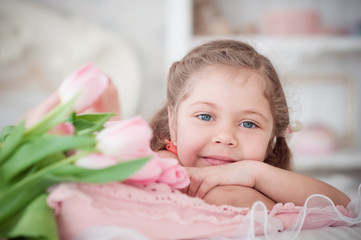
pixel 171 147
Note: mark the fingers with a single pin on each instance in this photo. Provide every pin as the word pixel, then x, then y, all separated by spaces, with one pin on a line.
pixel 184 190
pixel 193 187
pixel 200 182
pixel 206 185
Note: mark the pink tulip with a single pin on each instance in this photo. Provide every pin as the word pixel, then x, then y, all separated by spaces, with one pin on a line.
pixel 88 84
pixel 65 128
pixel 173 173
pixel 130 139
pixel 95 161
pixel 149 173
pixel 125 139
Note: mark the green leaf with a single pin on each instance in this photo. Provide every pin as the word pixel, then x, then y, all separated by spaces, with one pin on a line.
pixel 82 124
pixel 37 220
pixel 98 119
pixel 44 163
pixel 50 159
pixel 18 196
pixel 6 131
pixel 119 172
pixel 34 151
pixel 86 124
pixel 94 117
pixel 71 117
pixel 51 119
pixel 12 137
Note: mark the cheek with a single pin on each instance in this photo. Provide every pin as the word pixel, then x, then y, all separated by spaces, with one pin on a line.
pixel 257 152
pixel 260 155
pixel 265 149
pixel 188 147
pixel 188 152
pixel 183 155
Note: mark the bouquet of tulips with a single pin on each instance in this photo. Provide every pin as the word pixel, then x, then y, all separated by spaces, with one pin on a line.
pixel 67 146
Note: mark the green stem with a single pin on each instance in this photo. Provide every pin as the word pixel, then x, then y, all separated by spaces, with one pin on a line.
pixel 49 168
pixel 52 118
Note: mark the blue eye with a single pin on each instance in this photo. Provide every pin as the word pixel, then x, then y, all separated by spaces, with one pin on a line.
pixel 205 117
pixel 247 124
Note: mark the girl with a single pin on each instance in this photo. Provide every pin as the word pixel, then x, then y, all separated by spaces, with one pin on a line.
pixel 225 119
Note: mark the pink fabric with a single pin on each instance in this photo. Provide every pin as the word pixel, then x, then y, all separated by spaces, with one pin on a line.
pixel 160 212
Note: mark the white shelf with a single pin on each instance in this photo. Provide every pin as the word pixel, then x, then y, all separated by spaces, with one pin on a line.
pixel 290 52
pixel 313 44
pixel 341 160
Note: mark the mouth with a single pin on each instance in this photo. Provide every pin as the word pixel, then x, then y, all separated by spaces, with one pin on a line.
pixel 218 160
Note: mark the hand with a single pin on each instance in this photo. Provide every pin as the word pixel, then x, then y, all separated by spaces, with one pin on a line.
pixel 203 179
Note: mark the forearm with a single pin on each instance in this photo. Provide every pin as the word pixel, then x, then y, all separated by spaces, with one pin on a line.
pixel 237 196
pixel 286 186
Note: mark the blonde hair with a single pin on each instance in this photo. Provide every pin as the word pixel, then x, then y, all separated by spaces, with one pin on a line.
pixel 228 53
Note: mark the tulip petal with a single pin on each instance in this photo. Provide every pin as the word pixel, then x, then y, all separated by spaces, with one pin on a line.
pixel 125 139
pixel 88 84
pixel 65 128
pixel 173 173
pixel 95 161
pixel 148 173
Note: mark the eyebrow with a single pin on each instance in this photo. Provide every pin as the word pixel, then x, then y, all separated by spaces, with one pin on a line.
pixel 250 111
pixel 255 113
pixel 203 103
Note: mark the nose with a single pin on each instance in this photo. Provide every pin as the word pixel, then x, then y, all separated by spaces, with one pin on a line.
pixel 225 137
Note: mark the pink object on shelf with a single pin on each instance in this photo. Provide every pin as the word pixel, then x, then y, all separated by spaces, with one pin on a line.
pixel 291 22
pixel 315 140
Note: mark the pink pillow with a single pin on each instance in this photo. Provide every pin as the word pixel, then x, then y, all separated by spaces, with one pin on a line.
pixel 159 212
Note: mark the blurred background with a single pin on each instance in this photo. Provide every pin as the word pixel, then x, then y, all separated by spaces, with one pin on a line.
pixel 314 45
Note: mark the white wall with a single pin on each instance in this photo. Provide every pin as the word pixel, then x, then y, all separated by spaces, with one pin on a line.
pixel 139 24
pixel 146 26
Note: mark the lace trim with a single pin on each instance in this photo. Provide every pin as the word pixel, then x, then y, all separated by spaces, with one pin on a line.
pixel 159 202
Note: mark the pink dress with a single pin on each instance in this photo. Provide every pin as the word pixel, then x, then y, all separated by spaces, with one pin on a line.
pixel 156 211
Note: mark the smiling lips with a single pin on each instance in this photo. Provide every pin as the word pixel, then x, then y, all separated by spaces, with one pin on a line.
pixel 218 160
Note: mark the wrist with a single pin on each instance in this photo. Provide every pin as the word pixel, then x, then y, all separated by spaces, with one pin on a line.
pixel 256 170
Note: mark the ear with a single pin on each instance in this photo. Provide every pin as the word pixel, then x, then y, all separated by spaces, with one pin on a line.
pixel 172 131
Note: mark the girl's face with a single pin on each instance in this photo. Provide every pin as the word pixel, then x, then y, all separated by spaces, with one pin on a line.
pixel 226 118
